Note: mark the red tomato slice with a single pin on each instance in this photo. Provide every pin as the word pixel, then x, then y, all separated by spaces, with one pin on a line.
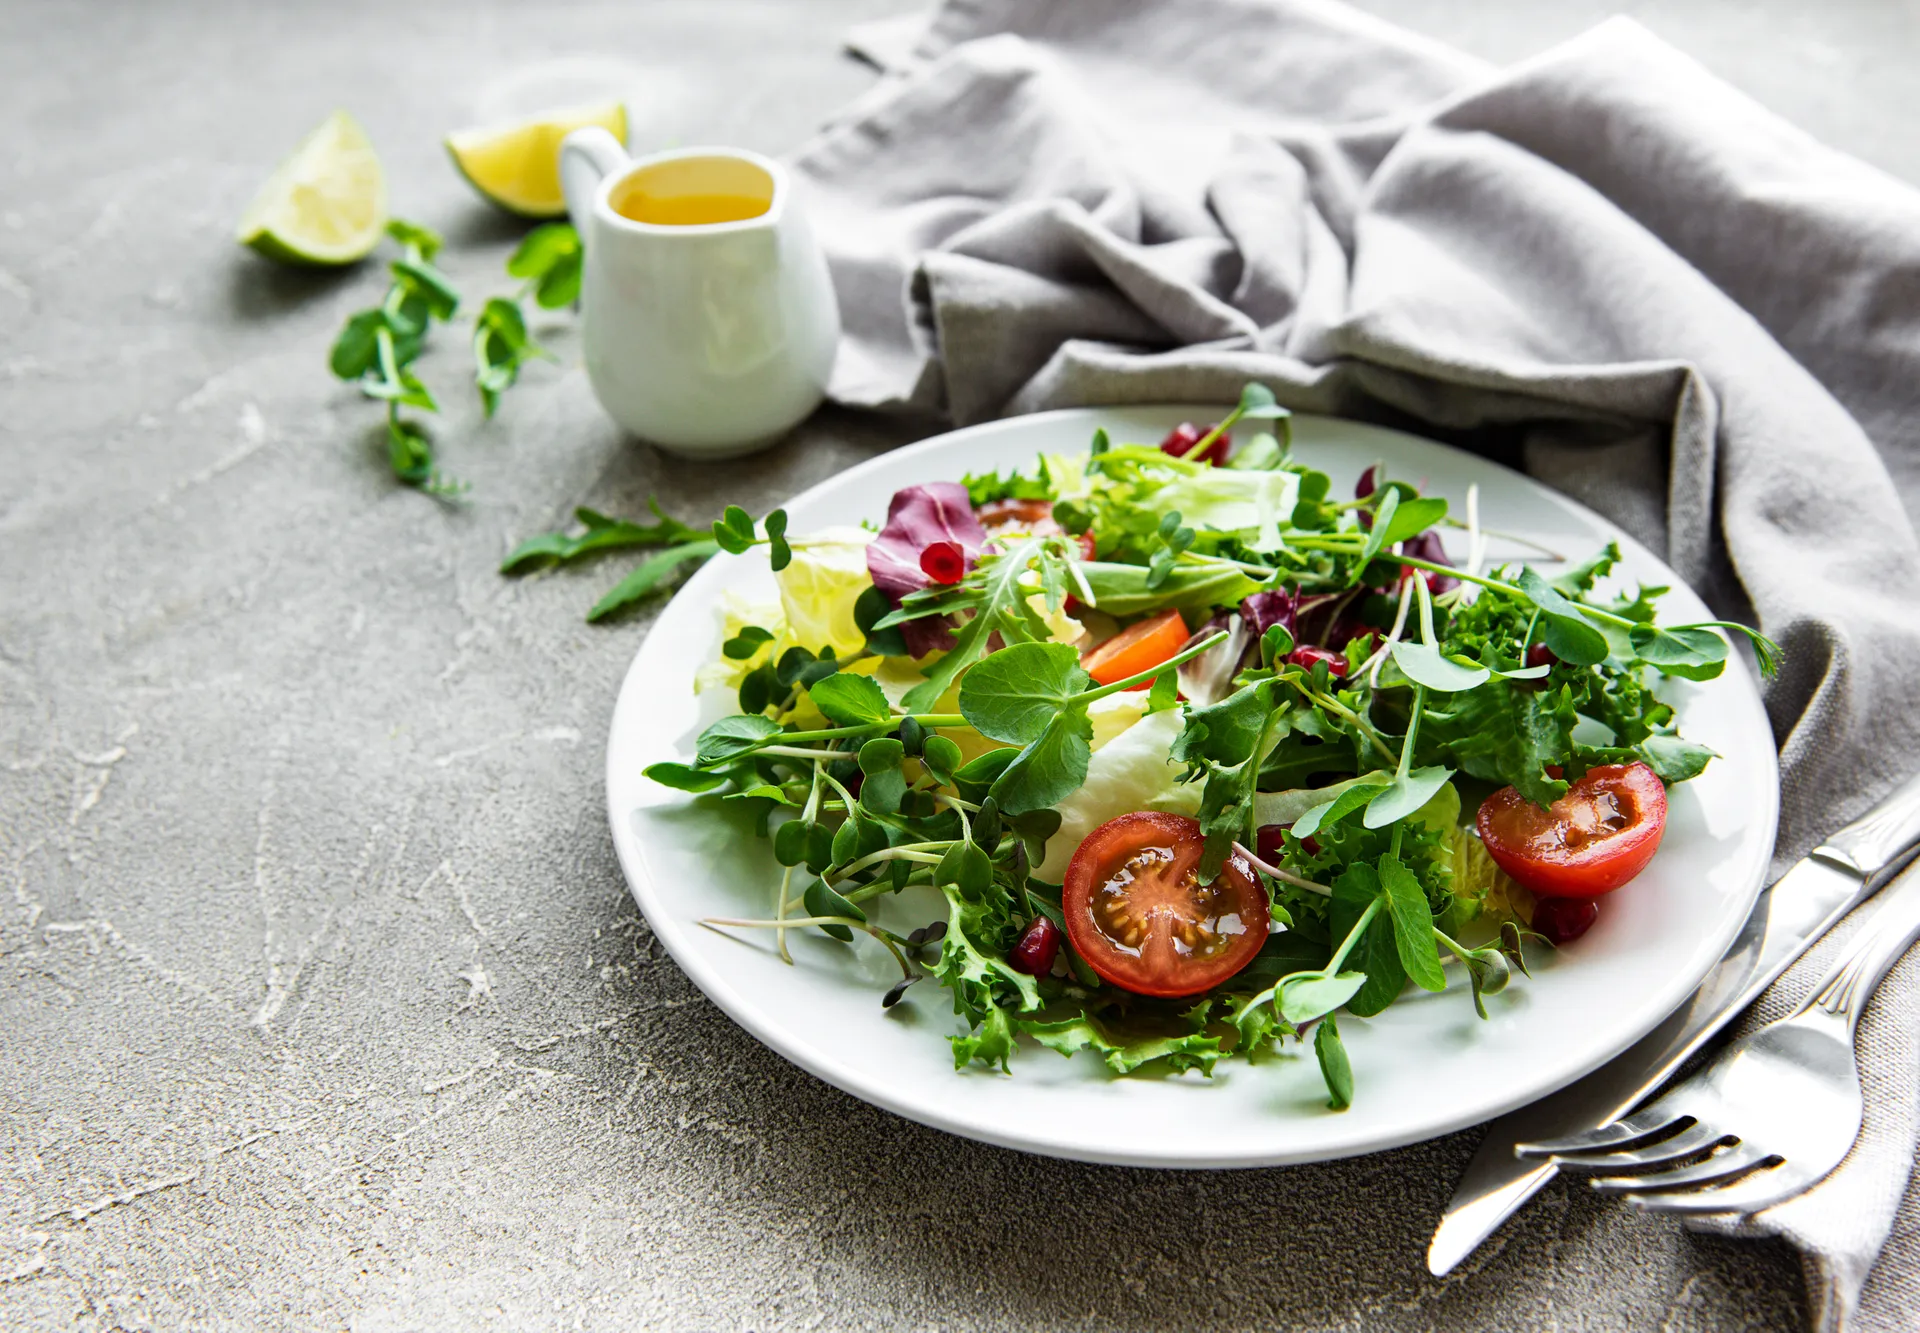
pixel 1138 648
pixel 1591 841
pixel 1140 917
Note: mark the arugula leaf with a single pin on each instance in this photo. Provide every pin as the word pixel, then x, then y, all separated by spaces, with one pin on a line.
pixel 650 574
pixel 1412 918
pixel 850 700
pixel 1191 586
pixel 1013 695
pixel 1506 735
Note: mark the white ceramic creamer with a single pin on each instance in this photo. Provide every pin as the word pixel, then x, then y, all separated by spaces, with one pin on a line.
pixel 708 338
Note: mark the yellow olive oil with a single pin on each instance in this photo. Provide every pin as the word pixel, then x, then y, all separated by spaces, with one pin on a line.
pixel 688 210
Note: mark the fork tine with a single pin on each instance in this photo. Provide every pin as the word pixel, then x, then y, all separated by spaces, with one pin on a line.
pixel 1627 1129
pixel 1750 1194
pixel 1694 1139
pixel 1735 1161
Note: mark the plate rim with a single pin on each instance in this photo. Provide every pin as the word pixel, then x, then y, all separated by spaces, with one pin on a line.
pixel 713 984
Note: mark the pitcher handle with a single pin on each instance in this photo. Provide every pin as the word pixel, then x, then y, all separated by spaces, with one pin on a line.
pixel 587 157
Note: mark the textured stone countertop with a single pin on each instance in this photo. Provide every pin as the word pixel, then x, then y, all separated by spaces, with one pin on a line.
pixel 322 1000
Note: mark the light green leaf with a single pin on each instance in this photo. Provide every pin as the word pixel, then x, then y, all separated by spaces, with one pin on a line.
pixel 1307 996
pixel 1573 638
pixel 1351 798
pixel 731 737
pixel 1425 665
pixel 1405 796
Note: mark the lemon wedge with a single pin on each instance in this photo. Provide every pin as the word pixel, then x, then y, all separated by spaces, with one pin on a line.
pixel 326 204
pixel 518 166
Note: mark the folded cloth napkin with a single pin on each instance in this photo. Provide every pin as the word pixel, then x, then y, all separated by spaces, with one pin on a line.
pixel 1603 265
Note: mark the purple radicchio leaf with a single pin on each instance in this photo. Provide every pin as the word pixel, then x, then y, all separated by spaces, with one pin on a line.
pixel 1427 546
pixel 1263 610
pixel 917 517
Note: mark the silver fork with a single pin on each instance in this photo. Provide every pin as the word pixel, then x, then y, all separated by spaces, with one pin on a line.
pixel 1776 1111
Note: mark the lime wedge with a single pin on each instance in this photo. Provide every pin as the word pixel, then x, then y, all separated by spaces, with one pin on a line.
pixel 518 166
pixel 326 204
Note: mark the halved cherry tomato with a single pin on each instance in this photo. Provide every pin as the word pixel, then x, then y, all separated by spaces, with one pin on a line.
pixel 1591 841
pixel 1138 648
pixel 1139 916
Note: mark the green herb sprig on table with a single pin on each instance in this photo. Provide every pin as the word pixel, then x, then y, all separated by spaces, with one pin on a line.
pixel 734 532
pixel 378 346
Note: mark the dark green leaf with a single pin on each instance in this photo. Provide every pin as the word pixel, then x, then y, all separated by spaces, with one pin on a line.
pixel 1013 695
pixel 1332 812
pixel 1696 654
pixel 431 284
pixel 746 643
pixel 851 700
pixel 1050 769
pixel 682 778
pixel 1573 638
pixel 733 530
pixel 731 737
pixel 357 348
pixel 1335 1068
pixel 416 237
pixel 966 867
pixel 1412 925
pixel 821 900
pixel 790 842
pixel 543 249
pixel 942 758
pixel 1413 517
pixel 650 574
pixel 776 526
pixel 1673 759
pixel 868 609
pixel 602 534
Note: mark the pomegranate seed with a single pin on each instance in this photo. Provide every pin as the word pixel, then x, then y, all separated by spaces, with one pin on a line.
pixel 1369 483
pixel 1181 439
pixel 1270 845
pixel 1037 949
pixel 1563 920
pixel 1541 655
pixel 943 562
pixel 1307 654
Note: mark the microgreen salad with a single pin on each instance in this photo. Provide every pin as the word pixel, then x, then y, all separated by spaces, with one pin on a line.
pixel 1199 753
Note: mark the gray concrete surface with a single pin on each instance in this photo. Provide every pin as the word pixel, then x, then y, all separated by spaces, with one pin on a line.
pixel 322 1001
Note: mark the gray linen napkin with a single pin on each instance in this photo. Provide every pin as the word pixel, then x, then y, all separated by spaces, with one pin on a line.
pixel 1602 265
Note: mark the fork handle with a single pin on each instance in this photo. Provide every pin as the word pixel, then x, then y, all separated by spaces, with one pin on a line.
pixel 1881 836
pixel 1871 954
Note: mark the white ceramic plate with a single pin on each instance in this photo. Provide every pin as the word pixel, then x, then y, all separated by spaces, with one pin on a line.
pixel 1424 1067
